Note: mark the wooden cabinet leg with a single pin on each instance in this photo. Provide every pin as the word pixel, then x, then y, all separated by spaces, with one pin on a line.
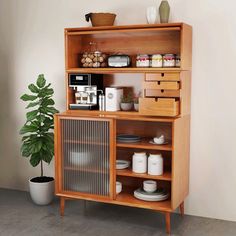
pixel 181 207
pixel 62 206
pixel 167 215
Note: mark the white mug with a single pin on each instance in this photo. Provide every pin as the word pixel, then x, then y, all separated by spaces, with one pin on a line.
pixel 151 15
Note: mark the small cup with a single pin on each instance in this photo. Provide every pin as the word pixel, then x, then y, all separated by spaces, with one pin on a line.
pixel 118 187
pixel 150 186
pixel 159 140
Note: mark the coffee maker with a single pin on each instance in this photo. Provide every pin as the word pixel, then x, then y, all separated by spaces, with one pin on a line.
pixel 87 88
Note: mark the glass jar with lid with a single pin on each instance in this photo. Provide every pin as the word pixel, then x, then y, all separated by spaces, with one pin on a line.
pixel 143 60
pixel 157 60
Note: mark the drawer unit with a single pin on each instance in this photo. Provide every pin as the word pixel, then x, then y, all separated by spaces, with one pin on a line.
pixel 161 93
pixel 158 106
pixel 171 85
pixel 165 76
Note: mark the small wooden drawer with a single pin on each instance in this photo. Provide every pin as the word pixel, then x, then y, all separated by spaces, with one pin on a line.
pixel 161 93
pixel 165 76
pixel 171 85
pixel 158 107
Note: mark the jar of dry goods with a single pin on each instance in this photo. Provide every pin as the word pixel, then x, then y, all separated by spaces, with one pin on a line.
pixel 142 60
pixel 94 59
pixel 177 60
pixel 156 60
pixel 169 60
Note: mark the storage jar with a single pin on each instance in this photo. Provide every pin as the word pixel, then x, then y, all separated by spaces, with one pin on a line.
pixel 139 162
pixel 177 60
pixel 169 60
pixel 143 60
pixel 156 60
pixel 155 164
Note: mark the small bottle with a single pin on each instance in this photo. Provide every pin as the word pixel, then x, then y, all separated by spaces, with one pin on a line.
pixel 101 100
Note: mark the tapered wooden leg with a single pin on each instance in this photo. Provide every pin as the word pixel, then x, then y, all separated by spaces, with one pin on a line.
pixel 167 215
pixel 181 208
pixel 62 206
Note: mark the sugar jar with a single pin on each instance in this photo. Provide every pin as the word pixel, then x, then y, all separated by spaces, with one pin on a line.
pixel 155 164
pixel 139 162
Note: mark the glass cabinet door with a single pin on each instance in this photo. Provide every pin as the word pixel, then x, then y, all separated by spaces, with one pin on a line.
pixel 85 156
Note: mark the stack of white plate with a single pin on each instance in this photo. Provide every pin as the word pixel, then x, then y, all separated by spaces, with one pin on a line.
pixel 122 164
pixel 159 195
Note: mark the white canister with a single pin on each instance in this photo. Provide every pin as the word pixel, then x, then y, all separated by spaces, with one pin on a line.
pixel 139 162
pixel 155 164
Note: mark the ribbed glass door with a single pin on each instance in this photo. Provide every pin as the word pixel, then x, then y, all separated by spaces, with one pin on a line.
pixel 85 156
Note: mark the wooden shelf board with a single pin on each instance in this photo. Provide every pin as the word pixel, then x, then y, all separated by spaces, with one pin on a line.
pixel 119 115
pixel 127 199
pixel 117 27
pixel 129 173
pixel 124 199
pixel 144 144
pixel 121 70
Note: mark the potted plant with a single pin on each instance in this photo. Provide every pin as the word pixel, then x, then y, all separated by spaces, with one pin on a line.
pixel 38 137
pixel 136 102
pixel 126 102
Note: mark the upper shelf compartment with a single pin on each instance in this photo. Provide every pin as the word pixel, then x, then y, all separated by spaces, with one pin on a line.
pixel 131 40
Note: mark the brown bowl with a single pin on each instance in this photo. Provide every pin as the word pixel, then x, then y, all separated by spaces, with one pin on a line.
pixel 102 19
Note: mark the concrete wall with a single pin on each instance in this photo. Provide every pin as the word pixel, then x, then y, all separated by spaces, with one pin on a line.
pixel 31 42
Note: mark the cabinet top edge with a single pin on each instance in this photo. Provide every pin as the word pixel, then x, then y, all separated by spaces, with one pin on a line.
pixel 117 27
pixel 101 115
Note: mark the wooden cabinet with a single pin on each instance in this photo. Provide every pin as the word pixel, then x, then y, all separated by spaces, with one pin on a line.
pixel 86 149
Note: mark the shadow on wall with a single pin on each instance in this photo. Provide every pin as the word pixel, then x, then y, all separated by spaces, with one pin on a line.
pixel 7 126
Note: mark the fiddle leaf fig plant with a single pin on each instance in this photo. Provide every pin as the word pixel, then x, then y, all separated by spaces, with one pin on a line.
pixel 38 137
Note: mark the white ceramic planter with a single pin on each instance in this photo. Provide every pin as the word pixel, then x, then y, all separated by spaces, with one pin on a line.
pixel 136 106
pixel 126 106
pixel 41 193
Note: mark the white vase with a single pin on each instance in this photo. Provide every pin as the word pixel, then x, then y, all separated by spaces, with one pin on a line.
pixel 139 162
pixel 41 193
pixel 151 15
pixel 155 164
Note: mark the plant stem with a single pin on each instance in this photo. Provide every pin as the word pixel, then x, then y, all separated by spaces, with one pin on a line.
pixel 41 167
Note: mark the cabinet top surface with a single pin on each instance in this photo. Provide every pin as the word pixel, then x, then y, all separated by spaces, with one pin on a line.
pixel 115 115
pixel 120 27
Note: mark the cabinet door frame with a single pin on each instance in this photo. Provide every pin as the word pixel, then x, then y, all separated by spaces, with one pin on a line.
pixel 59 158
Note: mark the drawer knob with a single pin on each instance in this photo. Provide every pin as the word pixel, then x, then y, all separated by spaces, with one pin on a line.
pixel 162 74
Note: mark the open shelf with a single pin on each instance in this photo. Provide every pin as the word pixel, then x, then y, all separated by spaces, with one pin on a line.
pixel 144 144
pixel 127 198
pixel 121 70
pixel 129 173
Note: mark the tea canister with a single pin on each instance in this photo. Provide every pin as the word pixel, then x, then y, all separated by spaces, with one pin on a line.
pixel 143 60
pixel 169 60
pixel 139 162
pixel 177 60
pixel 157 60
pixel 155 164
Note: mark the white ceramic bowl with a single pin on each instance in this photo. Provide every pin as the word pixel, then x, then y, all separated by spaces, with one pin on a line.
pixel 159 140
pixel 150 186
pixel 118 187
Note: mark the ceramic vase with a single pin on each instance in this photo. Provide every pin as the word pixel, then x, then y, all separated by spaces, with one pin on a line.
pixel 164 11
pixel 151 15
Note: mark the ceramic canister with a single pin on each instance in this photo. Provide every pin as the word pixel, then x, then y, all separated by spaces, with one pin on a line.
pixel 139 162
pixel 155 164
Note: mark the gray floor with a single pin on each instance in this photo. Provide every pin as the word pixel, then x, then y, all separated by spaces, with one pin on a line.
pixel 19 216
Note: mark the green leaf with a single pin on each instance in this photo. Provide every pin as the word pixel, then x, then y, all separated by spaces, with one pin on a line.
pixel 33 88
pixel 47 102
pixel 35 159
pixel 25 150
pixel 35 145
pixel 41 81
pixel 32 104
pixel 28 128
pixel 31 115
pixel 51 110
pixel 27 97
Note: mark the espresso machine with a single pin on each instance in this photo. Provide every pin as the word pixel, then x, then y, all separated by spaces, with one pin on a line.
pixel 87 88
